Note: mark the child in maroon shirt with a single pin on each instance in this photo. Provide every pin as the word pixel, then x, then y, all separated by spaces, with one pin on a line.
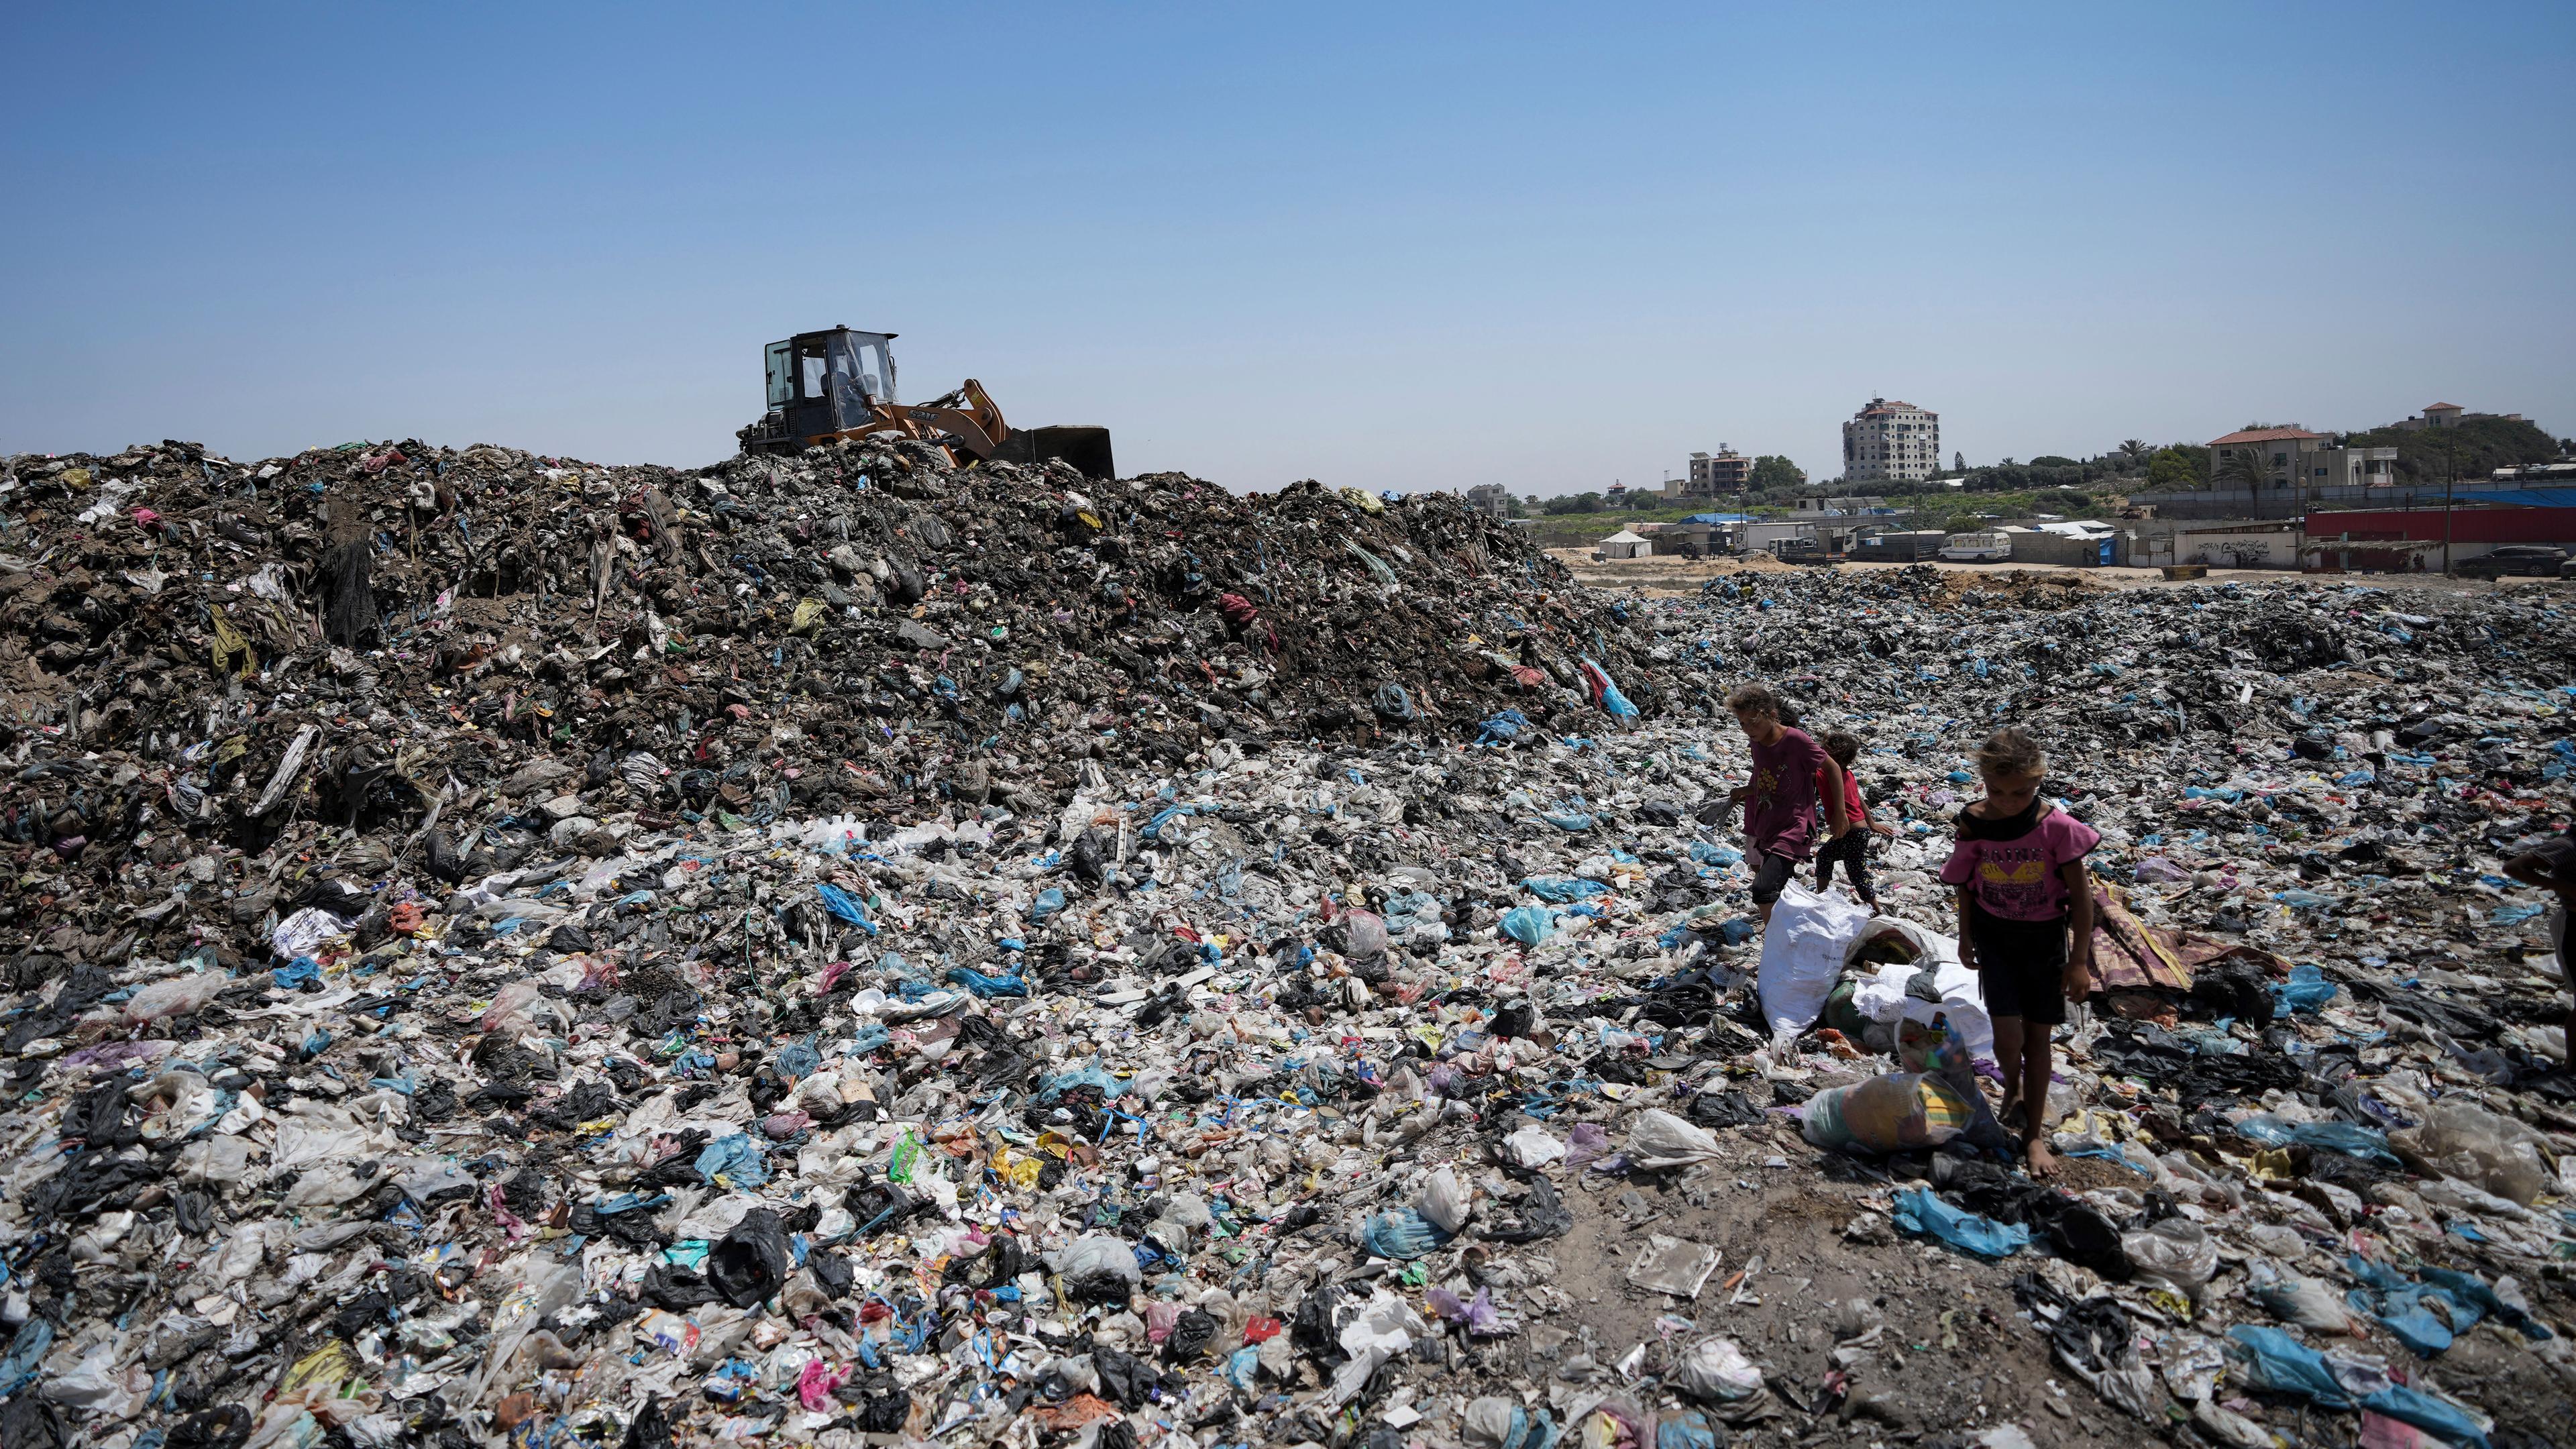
pixel 1780 802
pixel 2023 893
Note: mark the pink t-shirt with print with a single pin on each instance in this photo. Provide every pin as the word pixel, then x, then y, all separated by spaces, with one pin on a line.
pixel 2018 879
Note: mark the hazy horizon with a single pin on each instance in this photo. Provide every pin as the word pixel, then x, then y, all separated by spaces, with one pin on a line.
pixel 1436 248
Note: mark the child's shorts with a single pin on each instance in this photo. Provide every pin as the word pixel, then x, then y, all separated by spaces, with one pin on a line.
pixel 1771 874
pixel 2022 967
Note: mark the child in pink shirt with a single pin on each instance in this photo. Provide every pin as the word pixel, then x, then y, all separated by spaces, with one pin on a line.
pixel 2025 921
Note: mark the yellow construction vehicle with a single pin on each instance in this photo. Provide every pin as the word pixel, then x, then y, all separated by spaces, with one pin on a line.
pixel 839 384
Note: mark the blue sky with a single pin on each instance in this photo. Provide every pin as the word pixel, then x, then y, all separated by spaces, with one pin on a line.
pixel 1397 246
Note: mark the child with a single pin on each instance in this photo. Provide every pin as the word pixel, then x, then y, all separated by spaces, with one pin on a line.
pixel 2019 870
pixel 1852 847
pixel 2552 867
pixel 1780 802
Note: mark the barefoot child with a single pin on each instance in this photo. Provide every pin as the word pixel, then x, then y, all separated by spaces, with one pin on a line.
pixel 2019 870
pixel 1780 803
pixel 1852 847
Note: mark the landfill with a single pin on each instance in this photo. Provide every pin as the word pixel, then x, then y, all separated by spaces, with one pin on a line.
pixel 843 949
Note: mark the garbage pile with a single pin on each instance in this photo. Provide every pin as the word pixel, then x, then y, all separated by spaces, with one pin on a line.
pixel 840 950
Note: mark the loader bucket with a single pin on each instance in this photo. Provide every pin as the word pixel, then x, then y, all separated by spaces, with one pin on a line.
pixel 1085 447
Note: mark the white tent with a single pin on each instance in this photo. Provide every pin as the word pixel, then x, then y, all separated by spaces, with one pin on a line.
pixel 1622 544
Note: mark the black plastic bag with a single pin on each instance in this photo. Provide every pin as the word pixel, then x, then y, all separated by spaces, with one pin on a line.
pixel 1542 1215
pixel 1724 1109
pixel 1189 1337
pixel 750 1263
pixel 650 1428
pixel 831 1273
pixel 884 1413
pixel 1125 1379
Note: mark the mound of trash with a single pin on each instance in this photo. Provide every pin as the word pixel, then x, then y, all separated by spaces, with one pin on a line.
pixel 843 950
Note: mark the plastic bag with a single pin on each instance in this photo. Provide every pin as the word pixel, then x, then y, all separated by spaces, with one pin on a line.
pixel 1444 1201
pixel 1529 925
pixel 1803 950
pixel 1715 1371
pixel 2343 1137
pixel 1401 1234
pixel 1899 1112
pixel 1098 1267
pixel 1533 1147
pixel 2177 1250
pixel 750 1263
pixel 174 996
pixel 2267 1358
pixel 1919 1211
pixel 1658 1139
pixel 2304 1301
pixel 2307 990
pixel 2484 1149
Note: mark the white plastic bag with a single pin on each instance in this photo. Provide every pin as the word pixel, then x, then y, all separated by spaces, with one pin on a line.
pixel 1803 950
pixel 1657 1139
pixel 1715 1371
pixel 2481 1148
pixel 1533 1147
pixel 1444 1201
pixel 2177 1250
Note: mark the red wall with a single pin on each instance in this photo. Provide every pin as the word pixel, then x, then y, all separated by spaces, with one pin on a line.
pixel 2468 525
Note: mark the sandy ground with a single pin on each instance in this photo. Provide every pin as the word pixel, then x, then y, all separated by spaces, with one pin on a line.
pixel 1673 575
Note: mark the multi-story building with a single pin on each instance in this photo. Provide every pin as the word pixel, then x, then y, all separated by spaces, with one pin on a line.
pixel 1892 442
pixel 2296 458
pixel 1490 498
pixel 1713 474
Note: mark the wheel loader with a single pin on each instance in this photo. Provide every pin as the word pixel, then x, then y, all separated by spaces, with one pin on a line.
pixel 839 383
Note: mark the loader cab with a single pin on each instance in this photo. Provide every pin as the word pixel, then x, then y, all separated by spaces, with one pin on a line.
pixel 829 381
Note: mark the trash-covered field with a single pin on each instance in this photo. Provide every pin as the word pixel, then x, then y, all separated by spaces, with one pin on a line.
pixel 837 950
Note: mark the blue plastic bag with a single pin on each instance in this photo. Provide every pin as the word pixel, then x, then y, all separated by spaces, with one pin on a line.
pixel 1559 889
pixel 2273 1360
pixel 845 905
pixel 1707 854
pixel 2343 1137
pixel 1921 1212
pixel 296 973
pixel 2307 990
pixel 1503 728
pixel 798 1060
pixel 1049 901
pixel 2434 1416
pixel 1688 1429
pixel 1402 1234
pixel 986 986
pixel 736 1159
pixel 1528 925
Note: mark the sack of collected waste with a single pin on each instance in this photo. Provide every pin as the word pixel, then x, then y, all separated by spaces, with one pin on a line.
pixel 1803 950
pixel 1904 1111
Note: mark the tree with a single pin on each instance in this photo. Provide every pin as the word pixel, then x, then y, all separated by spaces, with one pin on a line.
pixel 1772 472
pixel 2133 451
pixel 2243 467
pixel 2050 460
pixel 1572 503
pixel 2176 468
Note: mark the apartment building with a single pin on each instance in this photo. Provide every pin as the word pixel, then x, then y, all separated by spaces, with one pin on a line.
pixel 1713 474
pixel 1890 441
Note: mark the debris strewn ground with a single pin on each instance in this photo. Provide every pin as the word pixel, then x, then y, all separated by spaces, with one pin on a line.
pixel 842 949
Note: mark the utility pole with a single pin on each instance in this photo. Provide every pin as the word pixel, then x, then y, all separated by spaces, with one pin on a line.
pixel 2450 489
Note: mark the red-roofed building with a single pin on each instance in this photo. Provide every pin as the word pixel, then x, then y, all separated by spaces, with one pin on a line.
pixel 2448 415
pixel 2293 457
